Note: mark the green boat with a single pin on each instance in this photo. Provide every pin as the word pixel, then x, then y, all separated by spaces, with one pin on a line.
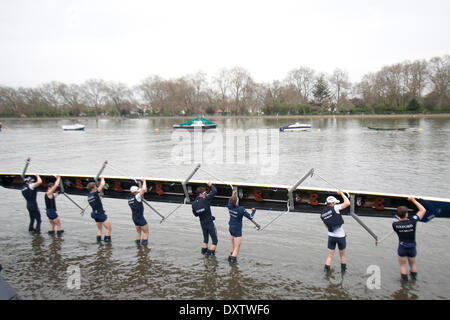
pixel 196 124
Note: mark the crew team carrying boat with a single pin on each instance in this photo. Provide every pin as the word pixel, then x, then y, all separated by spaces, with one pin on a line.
pixel 98 213
pixel 332 218
pixel 235 225
pixel 135 201
pixel 50 207
pixel 264 197
pixel 29 192
pixel 405 228
pixel 201 208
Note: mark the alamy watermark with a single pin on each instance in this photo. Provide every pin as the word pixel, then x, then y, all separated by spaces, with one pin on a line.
pixel 374 280
pixel 74 279
pixel 254 147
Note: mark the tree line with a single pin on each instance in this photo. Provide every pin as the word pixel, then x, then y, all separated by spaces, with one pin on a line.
pixel 406 87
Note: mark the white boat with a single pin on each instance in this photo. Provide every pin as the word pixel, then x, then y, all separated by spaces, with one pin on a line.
pixel 296 127
pixel 73 127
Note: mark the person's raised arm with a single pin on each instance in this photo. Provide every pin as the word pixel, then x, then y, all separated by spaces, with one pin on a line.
pixel 212 191
pixel 102 184
pixel 346 202
pixel 38 181
pixel 421 211
pixel 143 188
pixel 55 186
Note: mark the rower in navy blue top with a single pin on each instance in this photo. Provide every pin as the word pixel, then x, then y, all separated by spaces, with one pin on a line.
pixel 235 225
pixel 405 228
pixel 201 207
pixel 50 207
pixel 98 214
pixel 135 201
pixel 29 193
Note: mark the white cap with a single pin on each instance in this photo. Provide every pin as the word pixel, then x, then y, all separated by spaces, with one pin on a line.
pixel 134 189
pixel 332 199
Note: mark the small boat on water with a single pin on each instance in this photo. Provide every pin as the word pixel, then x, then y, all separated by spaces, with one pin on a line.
pixel 196 124
pixel 73 127
pixel 296 127
pixel 386 129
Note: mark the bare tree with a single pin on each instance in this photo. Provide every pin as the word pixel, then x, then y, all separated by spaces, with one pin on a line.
pixel 222 84
pixel 303 80
pixel 242 88
pixel 120 97
pixel 340 82
pixel 9 99
pixel 94 93
pixel 439 72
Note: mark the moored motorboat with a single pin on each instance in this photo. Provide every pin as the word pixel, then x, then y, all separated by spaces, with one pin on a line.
pixel 296 127
pixel 73 127
pixel 196 124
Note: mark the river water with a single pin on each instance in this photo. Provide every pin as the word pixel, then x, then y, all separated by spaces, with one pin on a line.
pixel 285 261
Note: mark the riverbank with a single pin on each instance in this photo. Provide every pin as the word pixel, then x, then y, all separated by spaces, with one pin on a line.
pixel 215 117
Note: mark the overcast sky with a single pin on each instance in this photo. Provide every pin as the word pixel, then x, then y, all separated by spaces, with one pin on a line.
pixel 126 41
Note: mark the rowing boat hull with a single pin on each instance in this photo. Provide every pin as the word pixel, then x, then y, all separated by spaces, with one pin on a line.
pixel 387 129
pixel 266 197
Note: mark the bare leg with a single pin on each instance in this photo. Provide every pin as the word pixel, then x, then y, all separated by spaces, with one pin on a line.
pixel 412 265
pixel 57 222
pixel 99 228
pixel 330 257
pixel 108 227
pixel 52 226
pixel 213 247
pixel 402 263
pixel 232 245
pixel 145 230
pixel 138 233
pixel 237 246
pixel 342 255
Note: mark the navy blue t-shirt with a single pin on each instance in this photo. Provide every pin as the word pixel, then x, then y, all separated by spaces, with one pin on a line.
pixel 406 229
pixel 95 202
pixel 236 215
pixel 201 207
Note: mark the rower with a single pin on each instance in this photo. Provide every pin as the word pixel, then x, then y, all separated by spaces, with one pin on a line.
pixel 50 207
pixel 201 208
pixel 405 228
pixel 29 192
pixel 135 201
pixel 235 225
pixel 333 221
pixel 98 214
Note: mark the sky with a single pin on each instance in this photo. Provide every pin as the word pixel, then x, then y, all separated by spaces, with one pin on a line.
pixel 126 41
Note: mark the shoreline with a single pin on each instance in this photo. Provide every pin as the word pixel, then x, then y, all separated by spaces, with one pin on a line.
pixel 216 117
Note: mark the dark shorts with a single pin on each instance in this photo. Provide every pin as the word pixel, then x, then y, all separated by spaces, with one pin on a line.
pixel 139 221
pixel 407 249
pixel 51 214
pixel 98 217
pixel 235 231
pixel 209 230
pixel 332 241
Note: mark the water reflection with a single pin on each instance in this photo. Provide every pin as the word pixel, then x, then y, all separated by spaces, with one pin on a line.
pixel 405 292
